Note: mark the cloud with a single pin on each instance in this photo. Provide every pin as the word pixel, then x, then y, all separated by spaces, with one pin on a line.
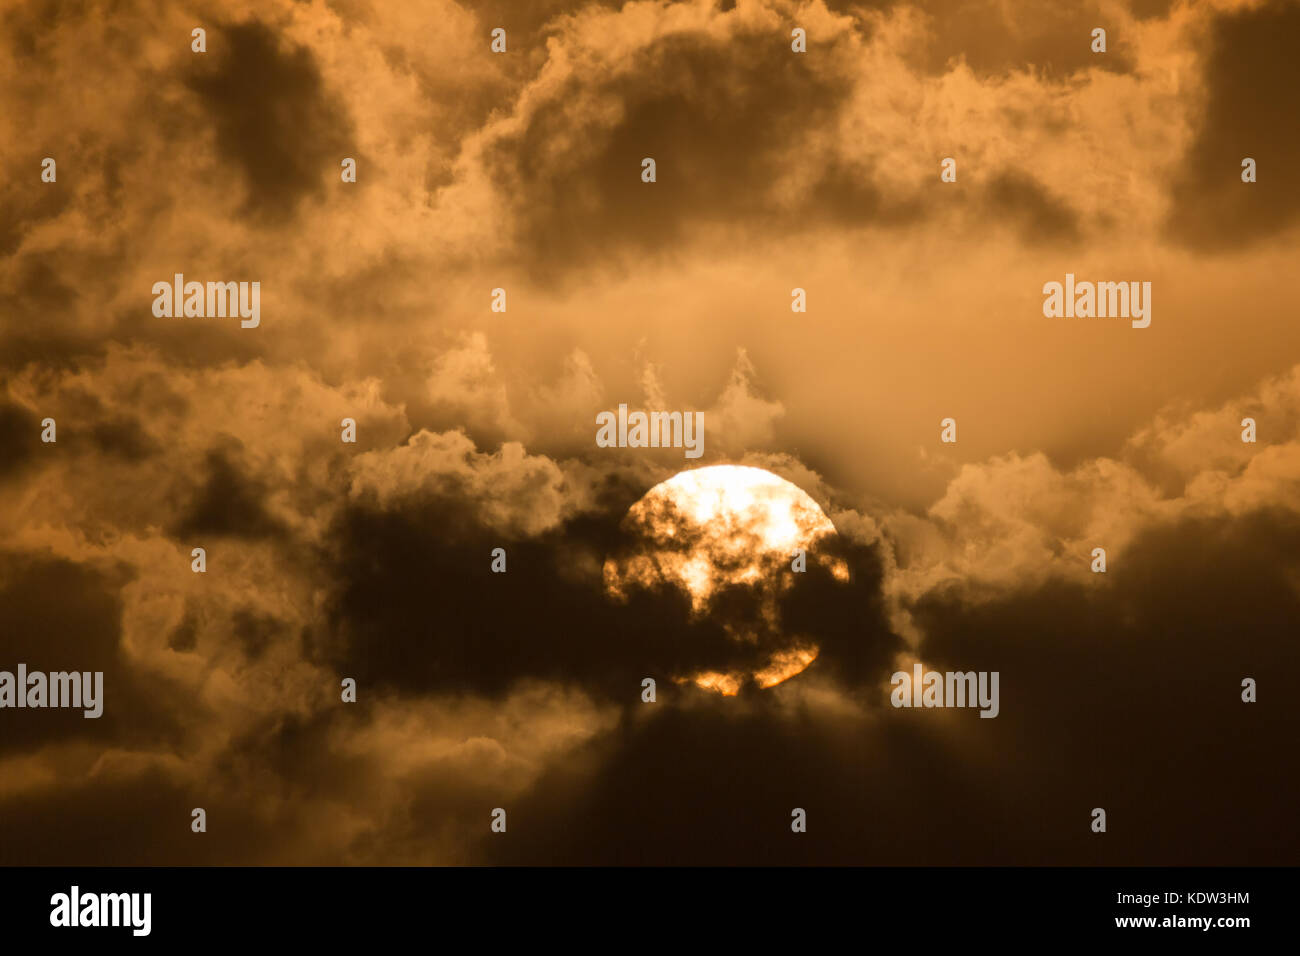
pixel 1081 668
pixel 514 492
pixel 741 420
pixel 227 503
pixel 1249 53
pixel 56 615
pixel 464 386
pixel 1043 217
pixel 646 82
pixel 20 434
pixel 993 38
pixel 1015 523
pixel 250 93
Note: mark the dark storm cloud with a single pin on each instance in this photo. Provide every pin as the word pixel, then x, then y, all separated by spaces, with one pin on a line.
pixel 847 620
pixel 1251 66
pixel 84 429
pixel 20 437
pixel 273 116
pixel 141 820
pixel 418 609
pixel 1125 697
pixel 56 615
pixel 715 785
pixel 727 120
pixel 720 120
pixel 228 501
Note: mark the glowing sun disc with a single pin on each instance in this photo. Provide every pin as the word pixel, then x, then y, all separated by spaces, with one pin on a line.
pixel 725 526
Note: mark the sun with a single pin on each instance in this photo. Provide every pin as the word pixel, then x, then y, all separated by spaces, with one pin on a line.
pixel 729 528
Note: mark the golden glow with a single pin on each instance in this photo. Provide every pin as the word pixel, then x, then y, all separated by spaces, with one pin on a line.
pixel 728 685
pixel 785 665
pixel 721 527
pixel 742 517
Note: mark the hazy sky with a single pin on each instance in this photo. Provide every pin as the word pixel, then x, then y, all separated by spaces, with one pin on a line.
pixel 476 429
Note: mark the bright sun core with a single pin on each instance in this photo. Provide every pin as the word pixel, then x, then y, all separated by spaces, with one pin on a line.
pixel 725 525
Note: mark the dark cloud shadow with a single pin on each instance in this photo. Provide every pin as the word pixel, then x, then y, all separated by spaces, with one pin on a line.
pixel 273 118
pixel 1250 60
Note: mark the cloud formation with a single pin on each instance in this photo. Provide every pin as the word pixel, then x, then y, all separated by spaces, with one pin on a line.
pixel 328 560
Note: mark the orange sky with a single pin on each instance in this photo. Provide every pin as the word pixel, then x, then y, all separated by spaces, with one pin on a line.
pixel 477 171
